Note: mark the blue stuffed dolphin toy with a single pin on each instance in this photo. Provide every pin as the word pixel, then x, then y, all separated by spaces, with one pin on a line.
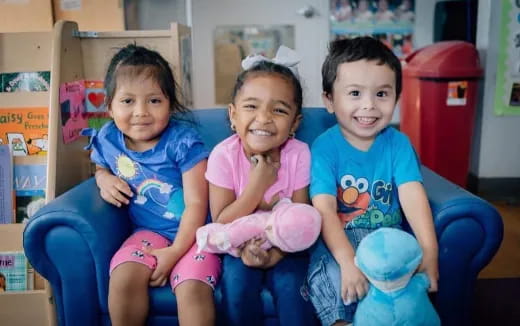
pixel 389 257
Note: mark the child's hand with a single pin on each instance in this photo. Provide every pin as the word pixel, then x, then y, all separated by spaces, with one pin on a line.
pixel 165 262
pixel 264 172
pixel 269 206
pixel 430 266
pixel 112 189
pixel 254 256
pixel 354 285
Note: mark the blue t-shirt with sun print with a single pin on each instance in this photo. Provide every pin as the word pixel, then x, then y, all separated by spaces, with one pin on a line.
pixel 364 183
pixel 155 175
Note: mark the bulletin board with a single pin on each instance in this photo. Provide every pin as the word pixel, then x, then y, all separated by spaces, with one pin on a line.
pixel 507 90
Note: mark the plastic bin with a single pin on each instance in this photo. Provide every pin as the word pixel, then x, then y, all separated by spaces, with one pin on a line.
pixel 438 102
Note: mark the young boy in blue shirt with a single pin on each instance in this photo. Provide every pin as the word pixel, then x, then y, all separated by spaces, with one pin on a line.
pixel 363 173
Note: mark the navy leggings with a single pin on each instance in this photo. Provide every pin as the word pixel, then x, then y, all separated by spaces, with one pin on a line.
pixel 241 292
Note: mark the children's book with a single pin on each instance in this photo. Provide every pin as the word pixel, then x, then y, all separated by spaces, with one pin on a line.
pixel 38 81
pixel 27 204
pixel 25 130
pixel 6 185
pixel 13 271
pixel 30 181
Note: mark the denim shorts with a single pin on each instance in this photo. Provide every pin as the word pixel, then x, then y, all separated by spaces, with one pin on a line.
pixel 323 283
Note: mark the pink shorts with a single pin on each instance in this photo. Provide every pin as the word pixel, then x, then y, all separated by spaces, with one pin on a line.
pixel 202 266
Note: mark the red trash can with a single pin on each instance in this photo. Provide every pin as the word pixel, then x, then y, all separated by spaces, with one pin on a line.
pixel 438 102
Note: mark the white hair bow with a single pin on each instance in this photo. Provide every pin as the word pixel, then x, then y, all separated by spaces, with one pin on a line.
pixel 284 56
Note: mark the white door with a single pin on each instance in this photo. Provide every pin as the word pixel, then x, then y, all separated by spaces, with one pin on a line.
pixel 311 39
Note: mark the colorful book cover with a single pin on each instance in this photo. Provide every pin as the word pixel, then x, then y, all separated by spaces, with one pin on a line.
pixel 30 181
pixel 25 130
pixel 29 177
pixel 38 81
pixel 28 204
pixel 13 271
pixel 73 114
pixel 6 185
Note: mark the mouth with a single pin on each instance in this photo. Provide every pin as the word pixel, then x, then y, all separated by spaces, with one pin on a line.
pixel 140 124
pixel 366 121
pixel 261 132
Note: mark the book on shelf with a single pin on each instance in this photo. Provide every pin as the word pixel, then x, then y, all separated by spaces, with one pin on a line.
pixel 30 181
pixel 14 271
pixel 6 185
pixel 25 130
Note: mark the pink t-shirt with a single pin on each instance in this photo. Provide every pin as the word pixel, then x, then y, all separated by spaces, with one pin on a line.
pixel 228 167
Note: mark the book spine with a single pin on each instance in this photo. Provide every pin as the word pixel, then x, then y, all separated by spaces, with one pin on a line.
pixel 6 185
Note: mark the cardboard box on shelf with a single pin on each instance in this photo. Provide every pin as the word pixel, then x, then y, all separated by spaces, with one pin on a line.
pixel 26 16
pixel 92 15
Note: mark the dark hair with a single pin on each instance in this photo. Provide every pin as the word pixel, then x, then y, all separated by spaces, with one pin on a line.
pixel 266 67
pixel 140 60
pixel 359 48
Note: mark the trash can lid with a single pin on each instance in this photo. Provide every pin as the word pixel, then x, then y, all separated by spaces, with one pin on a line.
pixel 447 59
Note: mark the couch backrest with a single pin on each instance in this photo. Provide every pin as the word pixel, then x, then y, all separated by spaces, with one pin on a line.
pixel 213 124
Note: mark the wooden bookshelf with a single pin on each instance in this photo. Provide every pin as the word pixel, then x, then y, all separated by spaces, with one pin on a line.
pixel 25 52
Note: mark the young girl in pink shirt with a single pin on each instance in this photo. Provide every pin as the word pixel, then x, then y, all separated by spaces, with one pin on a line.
pixel 252 171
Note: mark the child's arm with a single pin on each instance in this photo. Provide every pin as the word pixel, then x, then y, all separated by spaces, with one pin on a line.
pixel 225 207
pixel 416 208
pixel 354 285
pixel 111 188
pixel 195 190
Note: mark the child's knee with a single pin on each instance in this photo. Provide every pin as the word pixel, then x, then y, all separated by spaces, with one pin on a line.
pixel 193 291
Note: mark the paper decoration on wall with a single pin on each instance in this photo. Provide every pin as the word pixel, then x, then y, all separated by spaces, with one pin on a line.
pixel 507 90
pixel 391 21
pixel 73 115
pixel 97 113
pixel 95 96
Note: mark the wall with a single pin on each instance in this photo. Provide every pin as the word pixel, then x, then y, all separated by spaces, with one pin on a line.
pixel 495 152
pixel 497 155
pixel 158 14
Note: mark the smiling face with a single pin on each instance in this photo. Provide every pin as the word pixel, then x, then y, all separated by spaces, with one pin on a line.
pixel 264 113
pixel 363 99
pixel 140 110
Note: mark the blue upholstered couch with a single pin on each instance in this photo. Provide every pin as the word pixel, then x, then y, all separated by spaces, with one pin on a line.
pixel 71 240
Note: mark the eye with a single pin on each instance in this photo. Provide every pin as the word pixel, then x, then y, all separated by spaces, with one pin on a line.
pixel 347 181
pixel 249 106
pixel 126 101
pixel 382 94
pixel 362 184
pixel 354 93
pixel 155 101
pixel 283 111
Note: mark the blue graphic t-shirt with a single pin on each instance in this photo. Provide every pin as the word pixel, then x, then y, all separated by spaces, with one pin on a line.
pixel 155 175
pixel 364 183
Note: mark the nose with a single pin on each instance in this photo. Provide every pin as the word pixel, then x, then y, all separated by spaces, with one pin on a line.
pixel 140 109
pixel 368 102
pixel 263 115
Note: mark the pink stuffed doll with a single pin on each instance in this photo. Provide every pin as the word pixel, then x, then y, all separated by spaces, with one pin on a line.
pixel 290 227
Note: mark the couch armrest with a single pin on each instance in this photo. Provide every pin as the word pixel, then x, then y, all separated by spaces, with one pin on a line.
pixel 469 231
pixel 70 242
